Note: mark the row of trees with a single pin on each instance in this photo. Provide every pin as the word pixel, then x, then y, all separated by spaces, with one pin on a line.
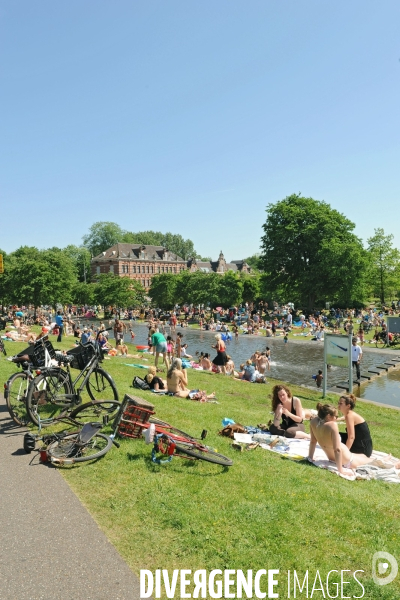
pixel 49 277
pixel 309 255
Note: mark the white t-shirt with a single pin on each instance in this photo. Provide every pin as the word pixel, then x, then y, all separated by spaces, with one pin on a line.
pixel 356 353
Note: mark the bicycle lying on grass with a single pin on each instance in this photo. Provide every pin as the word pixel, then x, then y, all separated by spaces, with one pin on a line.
pixel 67 448
pixel 135 418
pixel 55 393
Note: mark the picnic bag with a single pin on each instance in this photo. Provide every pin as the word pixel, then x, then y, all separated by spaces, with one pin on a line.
pixel 140 383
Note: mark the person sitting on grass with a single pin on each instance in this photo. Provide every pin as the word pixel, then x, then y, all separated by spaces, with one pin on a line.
pixel 205 362
pixel 177 381
pixel 324 430
pixel 288 414
pixel 155 382
pixel 357 437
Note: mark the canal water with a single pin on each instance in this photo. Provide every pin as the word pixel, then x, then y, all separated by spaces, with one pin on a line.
pixel 295 362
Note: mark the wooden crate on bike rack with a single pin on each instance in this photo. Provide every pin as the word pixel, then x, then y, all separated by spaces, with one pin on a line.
pixel 132 416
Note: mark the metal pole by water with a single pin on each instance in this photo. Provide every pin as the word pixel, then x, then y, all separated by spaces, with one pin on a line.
pixel 350 365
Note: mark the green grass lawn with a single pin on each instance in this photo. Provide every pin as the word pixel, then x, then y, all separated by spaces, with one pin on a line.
pixel 265 512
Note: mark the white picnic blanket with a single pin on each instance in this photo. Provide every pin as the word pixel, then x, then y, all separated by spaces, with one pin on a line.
pixel 381 468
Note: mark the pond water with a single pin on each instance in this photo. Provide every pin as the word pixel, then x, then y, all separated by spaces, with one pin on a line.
pixel 294 362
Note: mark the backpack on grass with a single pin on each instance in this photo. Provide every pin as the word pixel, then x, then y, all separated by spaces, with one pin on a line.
pixel 140 383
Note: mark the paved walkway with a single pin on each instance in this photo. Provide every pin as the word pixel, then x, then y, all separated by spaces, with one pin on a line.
pixel 50 547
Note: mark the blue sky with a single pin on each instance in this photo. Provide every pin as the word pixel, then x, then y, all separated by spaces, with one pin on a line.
pixel 191 117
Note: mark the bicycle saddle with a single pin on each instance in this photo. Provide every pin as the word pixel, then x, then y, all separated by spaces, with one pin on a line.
pixel 88 431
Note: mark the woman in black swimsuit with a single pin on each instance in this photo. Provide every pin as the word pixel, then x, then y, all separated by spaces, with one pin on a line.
pixel 288 414
pixel 357 437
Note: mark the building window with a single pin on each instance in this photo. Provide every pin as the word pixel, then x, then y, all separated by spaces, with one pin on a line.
pixel 111 268
pixel 143 269
pixel 170 269
pixel 143 282
pixel 98 270
pixel 151 270
pixel 133 269
pixel 162 269
pixel 147 269
pixel 174 269
pixel 158 270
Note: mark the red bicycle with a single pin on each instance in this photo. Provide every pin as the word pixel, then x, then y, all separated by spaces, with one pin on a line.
pixel 136 419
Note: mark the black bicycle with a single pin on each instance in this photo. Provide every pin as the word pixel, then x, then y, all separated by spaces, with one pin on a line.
pixel 56 393
pixel 69 447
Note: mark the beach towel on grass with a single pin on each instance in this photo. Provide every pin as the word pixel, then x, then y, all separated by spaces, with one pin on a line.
pixel 382 468
pixel 137 366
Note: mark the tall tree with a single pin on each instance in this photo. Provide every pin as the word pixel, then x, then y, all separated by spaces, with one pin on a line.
pixel 307 247
pixel 163 290
pixel 101 236
pixel 230 289
pixel 384 271
pixel 122 292
pixel 40 276
pixel 81 257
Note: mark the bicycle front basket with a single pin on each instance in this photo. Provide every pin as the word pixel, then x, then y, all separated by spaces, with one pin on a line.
pixel 82 355
pixel 38 356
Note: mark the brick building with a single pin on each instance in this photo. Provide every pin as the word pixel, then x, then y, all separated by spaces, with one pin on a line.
pixel 143 262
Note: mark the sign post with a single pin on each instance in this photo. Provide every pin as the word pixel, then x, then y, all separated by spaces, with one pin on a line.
pixel 337 352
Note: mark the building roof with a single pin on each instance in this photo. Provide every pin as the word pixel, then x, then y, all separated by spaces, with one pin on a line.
pixel 139 252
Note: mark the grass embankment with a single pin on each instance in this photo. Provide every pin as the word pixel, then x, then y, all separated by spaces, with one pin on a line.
pixel 264 512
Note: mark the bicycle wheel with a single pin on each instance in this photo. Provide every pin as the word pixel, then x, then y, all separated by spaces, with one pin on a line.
pixel 202 453
pixel 95 411
pixel 101 386
pixel 164 427
pixel 48 396
pixel 69 451
pixel 2 347
pixel 15 392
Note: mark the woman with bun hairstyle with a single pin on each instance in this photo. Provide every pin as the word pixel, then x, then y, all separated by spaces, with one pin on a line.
pixel 357 437
pixel 288 414
pixel 324 430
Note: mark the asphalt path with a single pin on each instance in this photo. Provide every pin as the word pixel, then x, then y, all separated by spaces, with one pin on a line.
pixel 50 546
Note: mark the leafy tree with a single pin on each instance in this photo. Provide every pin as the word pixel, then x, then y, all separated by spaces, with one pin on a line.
pixel 251 287
pixel 174 242
pixel 101 236
pixel 122 292
pixel 254 261
pixel 230 289
pixel 384 268
pixel 81 257
pixel 163 290
pixel 104 234
pixel 84 293
pixel 307 247
pixel 40 276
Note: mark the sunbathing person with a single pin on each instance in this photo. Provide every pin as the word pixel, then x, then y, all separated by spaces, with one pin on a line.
pixel 324 430
pixel 358 437
pixel 288 414
pixel 155 382
pixel 205 362
pixel 177 381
